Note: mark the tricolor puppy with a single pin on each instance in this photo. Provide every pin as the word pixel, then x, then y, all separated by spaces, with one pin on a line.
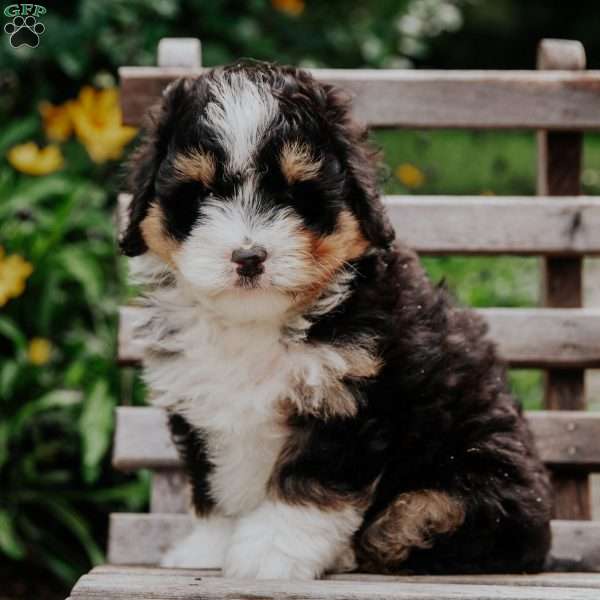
pixel 333 409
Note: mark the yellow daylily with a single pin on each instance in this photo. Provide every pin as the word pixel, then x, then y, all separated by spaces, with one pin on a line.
pixel 97 120
pixel 293 8
pixel 14 270
pixel 39 350
pixel 409 175
pixel 31 159
pixel 57 122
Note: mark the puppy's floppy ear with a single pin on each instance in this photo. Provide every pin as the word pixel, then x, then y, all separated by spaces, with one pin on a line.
pixel 361 160
pixel 146 161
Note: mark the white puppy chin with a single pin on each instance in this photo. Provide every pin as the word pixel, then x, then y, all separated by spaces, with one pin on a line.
pixel 248 305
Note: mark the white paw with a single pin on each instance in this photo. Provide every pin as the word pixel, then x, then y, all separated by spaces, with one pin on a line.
pixel 266 562
pixel 204 548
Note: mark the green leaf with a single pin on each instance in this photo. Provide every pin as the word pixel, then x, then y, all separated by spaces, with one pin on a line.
pixel 51 400
pixel 85 270
pixel 31 192
pixel 73 521
pixel 17 131
pixel 9 372
pixel 95 428
pixel 4 437
pixel 10 542
pixel 10 330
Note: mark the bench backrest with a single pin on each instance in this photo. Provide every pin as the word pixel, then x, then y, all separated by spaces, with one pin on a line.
pixel 559 101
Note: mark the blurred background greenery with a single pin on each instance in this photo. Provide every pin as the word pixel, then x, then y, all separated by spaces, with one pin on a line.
pixel 61 150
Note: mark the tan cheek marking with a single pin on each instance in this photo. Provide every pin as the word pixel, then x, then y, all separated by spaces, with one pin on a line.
pixel 198 166
pixel 344 244
pixel 155 236
pixel 411 521
pixel 330 253
pixel 297 163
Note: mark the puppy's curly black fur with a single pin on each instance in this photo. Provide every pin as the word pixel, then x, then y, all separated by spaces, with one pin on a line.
pixel 431 448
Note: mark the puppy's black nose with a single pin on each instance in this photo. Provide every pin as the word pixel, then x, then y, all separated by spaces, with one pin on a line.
pixel 249 260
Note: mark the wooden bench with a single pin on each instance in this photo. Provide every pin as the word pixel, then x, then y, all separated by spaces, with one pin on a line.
pixel 558 101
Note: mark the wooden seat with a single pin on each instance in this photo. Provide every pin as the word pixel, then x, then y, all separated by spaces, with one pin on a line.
pixel 559 101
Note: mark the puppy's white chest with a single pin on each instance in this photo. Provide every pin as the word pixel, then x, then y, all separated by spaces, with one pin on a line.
pixel 227 383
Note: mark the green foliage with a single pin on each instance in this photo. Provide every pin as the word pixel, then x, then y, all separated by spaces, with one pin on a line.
pixel 56 487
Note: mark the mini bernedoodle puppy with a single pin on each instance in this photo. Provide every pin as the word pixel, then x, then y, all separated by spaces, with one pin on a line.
pixel 334 410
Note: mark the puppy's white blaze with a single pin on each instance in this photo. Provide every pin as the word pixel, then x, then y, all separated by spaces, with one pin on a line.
pixel 240 114
pixel 279 541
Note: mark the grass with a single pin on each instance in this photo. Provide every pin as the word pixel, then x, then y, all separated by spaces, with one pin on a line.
pixel 482 163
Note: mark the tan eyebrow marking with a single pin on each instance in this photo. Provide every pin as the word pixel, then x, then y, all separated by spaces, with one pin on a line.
pixel 196 165
pixel 297 162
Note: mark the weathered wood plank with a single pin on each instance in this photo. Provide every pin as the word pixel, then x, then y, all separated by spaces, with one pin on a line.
pixel 545 337
pixel 142 440
pixel 564 439
pixel 460 224
pixel 179 52
pixel 180 587
pixel 559 174
pixel 188 588
pixel 567 439
pixel 419 99
pixel 139 539
pixel 569 580
pixel 526 337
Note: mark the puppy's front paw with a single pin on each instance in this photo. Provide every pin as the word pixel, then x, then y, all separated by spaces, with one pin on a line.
pixel 262 560
pixel 279 541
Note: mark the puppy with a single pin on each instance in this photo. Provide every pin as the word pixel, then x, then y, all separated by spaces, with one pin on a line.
pixel 333 409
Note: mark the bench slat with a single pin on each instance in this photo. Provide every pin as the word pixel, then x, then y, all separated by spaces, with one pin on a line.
pixel 181 587
pixel 569 580
pixel 185 586
pixel 461 224
pixel 419 99
pixel 526 337
pixel 142 539
pixel 565 439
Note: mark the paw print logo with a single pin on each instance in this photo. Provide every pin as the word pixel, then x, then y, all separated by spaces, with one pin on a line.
pixel 24 31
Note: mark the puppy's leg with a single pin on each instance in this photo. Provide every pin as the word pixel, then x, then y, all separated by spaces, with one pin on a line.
pixel 411 521
pixel 284 541
pixel 204 548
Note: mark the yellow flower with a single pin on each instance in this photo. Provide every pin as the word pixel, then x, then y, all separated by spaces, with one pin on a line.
pixel 488 193
pixel 97 120
pixel 14 270
pixel 29 158
pixel 39 351
pixel 57 121
pixel 409 175
pixel 293 8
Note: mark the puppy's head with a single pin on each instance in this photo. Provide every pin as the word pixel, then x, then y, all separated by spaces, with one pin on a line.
pixel 254 186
